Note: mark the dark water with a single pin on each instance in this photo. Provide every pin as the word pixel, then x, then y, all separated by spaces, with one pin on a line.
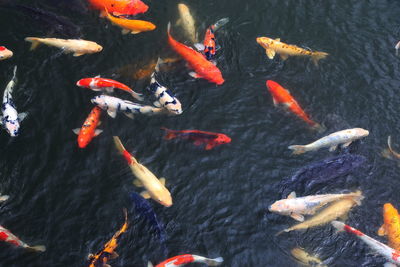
pixel 71 200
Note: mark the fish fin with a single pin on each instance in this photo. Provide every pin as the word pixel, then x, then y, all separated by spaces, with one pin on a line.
pixel 200 47
pixel 97 132
pixel 358 197
pixel 37 248
pixel 346 144
pixel 34 41
pixel 135 32
pixel 332 148
pixel 145 195
pixel 382 230
pixel 339 226
pixel 114 255
pixel 291 195
pixel 194 75
pixel 214 62
pixel 220 23
pixel 97 76
pixel 136 95
pixel 1 120
pixel 112 113
pixel 278 39
pixel 214 262
pixel 99 123
pixel 138 183
pixel 129 115
pixel 76 131
pixel 125 31
pixel 119 145
pixel 284 56
pixel 389 264
pixel 108 89
pixel 178 22
pixel 162 181
pixel 298 149
pixel 22 116
pixel 210 146
pixel 157 104
pixel 78 54
pixel 276 103
pixel 169 134
pixel 4 198
pixel 317 56
pixel 270 53
pixel 297 217
pixel 149 264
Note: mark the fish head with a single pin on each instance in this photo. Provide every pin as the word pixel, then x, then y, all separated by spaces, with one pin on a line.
pixel 84 82
pixel 222 139
pixel 279 207
pixel 175 107
pixel 136 7
pixel 389 211
pixel 264 41
pixel 12 127
pixel 362 132
pixel 164 199
pixel 97 48
pixel 5 53
pixel 183 9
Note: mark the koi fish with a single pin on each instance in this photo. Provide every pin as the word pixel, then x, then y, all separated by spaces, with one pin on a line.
pixel 108 85
pixel 132 26
pixel 78 47
pixel 282 96
pixel 344 138
pixel 113 104
pixel 4 198
pixel 296 207
pixel 391 226
pixel 389 253
pixel 336 210
pixel 120 7
pixel 210 139
pixel 101 258
pixel 139 71
pixel 209 45
pixel 7 236
pixel 390 152
pixel 305 258
pixel 181 260
pixel 196 61
pixel 5 53
pixel 273 47
pixel 88 130
pixel 155 188
pixel 187 22
pixel 164 97
pixel 10 118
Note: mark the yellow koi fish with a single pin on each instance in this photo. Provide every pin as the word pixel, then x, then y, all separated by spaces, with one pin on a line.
pixel 187 22
pixel 273 47
pixel 131 25
pixel 306 259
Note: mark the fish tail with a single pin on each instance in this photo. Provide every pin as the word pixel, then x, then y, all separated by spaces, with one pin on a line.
pixel 35 42
pixel 37 248
pixel 339 226
pixel 214 262
pixel 396 154
pixel 317 56
pixel 169 134
pixel 169 28
pixel 358 197
pixel 397 47
pixel 118 144
pixel 136 95
pixel 318 127
pixel 298 149
pixel 220 23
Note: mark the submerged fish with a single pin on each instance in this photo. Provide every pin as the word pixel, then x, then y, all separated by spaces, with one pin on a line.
pixel 336 210
pixel 320 172
pixel 10 118
pixel 88 130
pixel 133 26
pixel 139 71
pixel 391 226
pixel 78 47
pixel 182 260
pixel 296 207
pixel 390 153
pixel 344 138
pixel 187 22
pixel 5 53
pixel 7 236
pixel 305 258
pixel 155 188
pixel 389 253
pixel 273 47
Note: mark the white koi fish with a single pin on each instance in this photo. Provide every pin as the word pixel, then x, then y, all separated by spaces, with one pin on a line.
pixel 10 118
pixel 113 104
pixel 5 53
pixel 389 253
pixel 76 46
pixel 344 137
pixel 187 22
pixel 165 98
pixel 155 188
pixel 296 207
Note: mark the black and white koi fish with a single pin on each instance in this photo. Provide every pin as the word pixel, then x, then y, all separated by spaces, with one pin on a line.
pixel 165 98
pixel 113 104
pixel 10 118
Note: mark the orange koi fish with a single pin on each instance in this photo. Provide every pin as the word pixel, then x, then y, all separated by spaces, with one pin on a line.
pixel 201 66
pixel 131 25
pixel 391 226
pixel 120 7
pixel 88 130
pixel 108 252
pixel 282 96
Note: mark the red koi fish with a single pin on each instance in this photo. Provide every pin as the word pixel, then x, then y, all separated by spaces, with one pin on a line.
pixel 282 96
pixel 181 260
pixel 108 85
pixel 108 252
pixel 8 237
pixel 209 45
pixel 5 53
pixel 202 67
pixel 120 7
pixel 88 130
pixel 210 139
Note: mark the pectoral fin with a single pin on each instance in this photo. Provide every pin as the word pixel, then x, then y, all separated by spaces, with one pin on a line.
pixel 76 131
pixel 114 255
pixel 199 47
pixel 275 102
pixel 135 32
pixel 284 56
pixel 210 146
pixel 291 195
pixel 129 115
pixel 112 113
pixel 346 144
pixel 194 75
pixel 149 264
pixel 78 54
pixel 162 181
pixel 145 195
pixel 157 104
pixel 297 217
pixel 332 148
pixel 278 39
pixel 382 230
pixel 125 31
pixel 270 53
pixel 138 183
pixel 97 132
pixel 22 116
